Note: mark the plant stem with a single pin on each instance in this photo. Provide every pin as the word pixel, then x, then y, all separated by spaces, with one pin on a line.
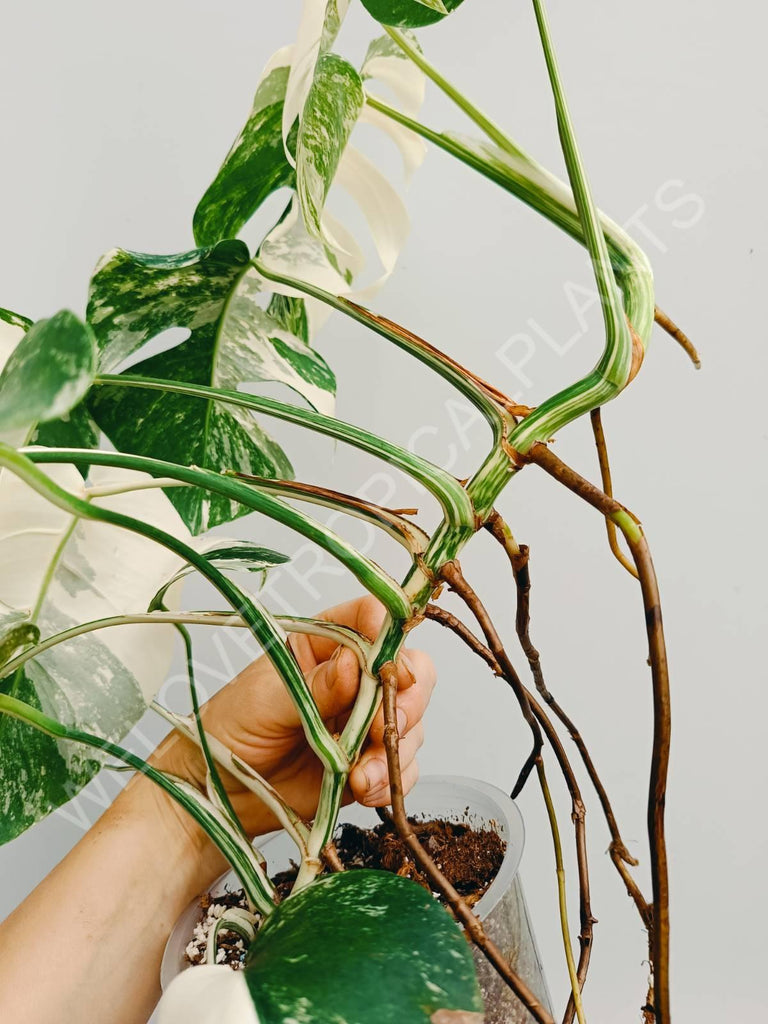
pixel 392 521
pixel 372 576
pixel 485 397
pixel 245 774
pixel 441 484
pixel 481 120
pixel 259 621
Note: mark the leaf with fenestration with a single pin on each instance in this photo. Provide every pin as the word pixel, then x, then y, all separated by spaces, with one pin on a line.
pixel 233 341
pixel 234 555
pixel 361 946
pixel 255 166
pixel 58 573
pixel 47 372
pixel 330 113
pixel 410 13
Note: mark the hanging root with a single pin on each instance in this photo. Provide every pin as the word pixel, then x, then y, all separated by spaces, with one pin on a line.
pixel 658 912
pixel 605 476
pixel 451 573
pixel 578 810
pixel 674 331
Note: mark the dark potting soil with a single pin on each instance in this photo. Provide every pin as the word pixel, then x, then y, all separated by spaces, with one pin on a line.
pixel 470 859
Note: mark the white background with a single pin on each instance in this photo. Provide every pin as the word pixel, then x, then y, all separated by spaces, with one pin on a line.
pixel 114 120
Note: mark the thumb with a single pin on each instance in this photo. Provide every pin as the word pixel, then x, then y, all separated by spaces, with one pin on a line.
pixel 334 683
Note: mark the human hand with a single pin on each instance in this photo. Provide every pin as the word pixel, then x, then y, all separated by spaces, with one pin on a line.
pixel 255 717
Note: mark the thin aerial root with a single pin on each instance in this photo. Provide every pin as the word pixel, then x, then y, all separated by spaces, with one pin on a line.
pixel 578 810
pixel 605 476
pixel 453 576
pixel 658 932
pixel 674 331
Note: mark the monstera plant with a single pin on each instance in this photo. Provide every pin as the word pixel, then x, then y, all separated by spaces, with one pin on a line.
pixel 111 478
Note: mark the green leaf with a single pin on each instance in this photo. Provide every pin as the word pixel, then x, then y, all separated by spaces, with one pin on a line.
pixel 47 373
pixel 362 946
pixel 410 13
pixel 320 23
pixel 233 341
pixel 75 430
pixel 36 777
pixel 16 632
pixel 234 555
pixel 58 572
pixel 255 166
pixel 134 296
pixel 330 113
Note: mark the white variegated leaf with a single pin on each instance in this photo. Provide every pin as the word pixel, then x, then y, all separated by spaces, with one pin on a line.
pixel 207 994
pixel 46 372
pixel 387 64
pixel 59 572
pixel 382 208
pixel 330 113
pixel 319 25
pixel 256 164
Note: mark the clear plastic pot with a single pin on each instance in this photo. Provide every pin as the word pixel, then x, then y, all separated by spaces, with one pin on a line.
pixel 502 908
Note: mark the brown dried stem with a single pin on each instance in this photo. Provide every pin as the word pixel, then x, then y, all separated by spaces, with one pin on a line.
pixel 452 574
pixel 674 331
pixel 658 931
pixel 472 924
pixel 605 476
pixel 391 519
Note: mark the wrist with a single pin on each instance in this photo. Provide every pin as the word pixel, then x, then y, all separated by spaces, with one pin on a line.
pixel 188 857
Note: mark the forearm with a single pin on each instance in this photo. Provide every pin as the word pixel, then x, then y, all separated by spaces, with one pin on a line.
pixel 86 945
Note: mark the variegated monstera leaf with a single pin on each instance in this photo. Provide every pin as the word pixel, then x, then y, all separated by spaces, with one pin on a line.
pixel 242 332
pixel 60 572
pixel 362 946
pixel 63 576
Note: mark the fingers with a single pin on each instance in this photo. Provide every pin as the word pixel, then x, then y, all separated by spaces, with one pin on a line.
pixel 417 680
pixel 335 682
pixel 369 780
pixel 365 614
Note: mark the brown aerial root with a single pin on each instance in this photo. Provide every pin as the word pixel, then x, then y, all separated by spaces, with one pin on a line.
pixel 605 476
pixel 331 857
pixel 472 924
pixel 578 809
pixel 519 557
pixel 668 325
pixel 658 917
pixel 453 576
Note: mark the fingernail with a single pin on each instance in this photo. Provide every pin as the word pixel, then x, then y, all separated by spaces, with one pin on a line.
pixel 407 664
pixel 402 722
pixel 332 673
pixel 375 772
